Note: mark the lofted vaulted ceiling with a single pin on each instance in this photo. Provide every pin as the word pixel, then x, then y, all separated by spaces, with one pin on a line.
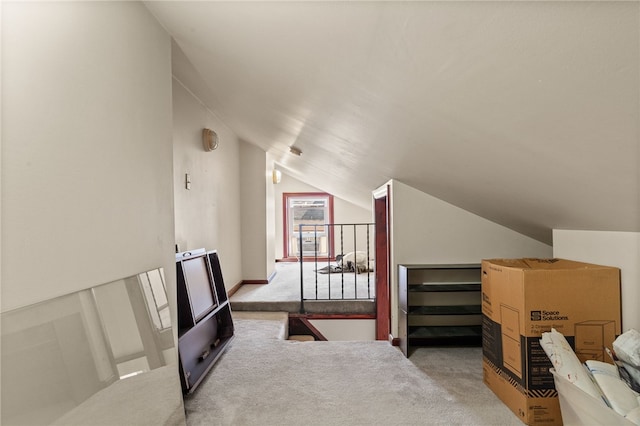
pixel 525 113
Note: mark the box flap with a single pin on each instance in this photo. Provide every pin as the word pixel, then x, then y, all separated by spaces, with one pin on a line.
pixel 544 264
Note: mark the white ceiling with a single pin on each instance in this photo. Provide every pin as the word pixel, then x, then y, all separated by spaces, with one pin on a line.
pixel 526 113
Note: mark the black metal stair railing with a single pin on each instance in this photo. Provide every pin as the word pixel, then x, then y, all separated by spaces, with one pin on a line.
pixel 338 260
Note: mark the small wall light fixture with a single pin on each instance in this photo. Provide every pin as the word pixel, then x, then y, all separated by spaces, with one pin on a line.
pixel 295 150
pixel 276 176
pixel 209 140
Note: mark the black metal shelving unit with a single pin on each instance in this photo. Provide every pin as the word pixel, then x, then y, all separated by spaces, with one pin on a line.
pixel 439 305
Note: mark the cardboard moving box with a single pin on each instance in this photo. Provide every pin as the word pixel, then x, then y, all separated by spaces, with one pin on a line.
pixel 521 299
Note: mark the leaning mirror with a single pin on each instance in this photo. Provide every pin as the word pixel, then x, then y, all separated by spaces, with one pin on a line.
pixel 101 356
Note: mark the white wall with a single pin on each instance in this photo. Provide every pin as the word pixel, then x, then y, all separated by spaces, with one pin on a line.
pixel 270 217
pixel 207 215
pixel 619 249
pixel 343 211
pixel 253 201
pixel 428 230
pixel 87 194
pixel 346 329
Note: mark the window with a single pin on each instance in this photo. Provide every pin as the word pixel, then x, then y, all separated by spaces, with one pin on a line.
pixel 311 215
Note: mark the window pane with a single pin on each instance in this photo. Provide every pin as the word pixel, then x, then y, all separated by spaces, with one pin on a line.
pixel 308 214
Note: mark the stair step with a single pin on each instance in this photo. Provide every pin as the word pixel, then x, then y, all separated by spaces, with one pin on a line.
pixel 280 320
pixel 302 338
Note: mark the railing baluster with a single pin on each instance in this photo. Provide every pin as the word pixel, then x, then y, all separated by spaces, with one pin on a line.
pixel 329 231
pixel 355 263
pixel 315 255
pixel 329 252
pixel 342 260
pixel 301 257
pixel 368 272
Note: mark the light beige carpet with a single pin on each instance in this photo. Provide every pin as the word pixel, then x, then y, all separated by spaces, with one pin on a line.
pixel 264 380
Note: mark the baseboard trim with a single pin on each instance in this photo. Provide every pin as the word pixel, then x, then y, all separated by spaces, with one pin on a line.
pixel 255 281
pixel 234 289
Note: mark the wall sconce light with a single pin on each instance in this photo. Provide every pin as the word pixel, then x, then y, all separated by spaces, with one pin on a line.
pixel 209 139
pixel 276 176
pixel 295 150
